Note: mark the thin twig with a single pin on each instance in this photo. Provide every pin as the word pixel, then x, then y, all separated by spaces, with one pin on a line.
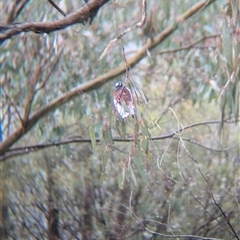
pixel 171 236
pixel 31 93
pixel 9 99
pixel 138 25
pixel 188 46
pixel 208 212
pixel 57 7
pixel 205 147
pixel 233 232
pixel 50 67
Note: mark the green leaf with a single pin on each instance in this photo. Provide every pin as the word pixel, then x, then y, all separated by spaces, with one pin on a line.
pixel 92 137
pixel 104 157
pixel 132 174
pixel 139 164
pixel 216 67
pixel 121 127
pixel 145 136
pixel 121 178
pixel 68 150
pixel 107 135
pixel 227 44
pixel 102 178
pixel 236 106
pixel 236 55
pixel 59 130
pixel 56 133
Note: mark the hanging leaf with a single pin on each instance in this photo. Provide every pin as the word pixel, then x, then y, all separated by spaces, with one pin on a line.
pixel 92 137
pixel 117 125
pixel 121 178
pixel 216 66
pixel 145 136
pixel 132 174
pixel 139 164
pixel 107 133
pixel 59 130
pixel 102 178
pixel 236 97
pixel 56 133
pixel 227 44
pixel 104 157
pixel 68 150
pixel 121 127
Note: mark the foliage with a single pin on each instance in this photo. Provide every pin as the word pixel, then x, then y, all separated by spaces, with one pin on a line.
pixel 78 171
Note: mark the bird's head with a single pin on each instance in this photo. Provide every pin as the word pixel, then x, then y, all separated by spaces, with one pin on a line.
pixel 118 86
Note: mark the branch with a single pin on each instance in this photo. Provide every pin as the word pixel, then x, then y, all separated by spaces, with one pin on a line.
pixel 88 12
pixel 31 93
pixel 37 76
pixel 138 25
pixel 15 9
pixel 233 233
pixel 99 81
pixel 205 147
pixel 169 236
pixel 78 139
pixel 11 103
pixel 50 66
pixel 57 7
pixel 188 46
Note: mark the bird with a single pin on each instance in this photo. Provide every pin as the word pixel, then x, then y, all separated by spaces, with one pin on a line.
pixel 123 100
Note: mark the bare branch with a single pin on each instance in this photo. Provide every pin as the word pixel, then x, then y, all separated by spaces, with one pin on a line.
pixel 51 67
pixel 88 12
pixel 167 235
pixel 232 231
pixel 11 103
pixel 143 20
pixel 37 75
pixel 15 9
pixel 188 46
pixel 31 94
pixel 78 139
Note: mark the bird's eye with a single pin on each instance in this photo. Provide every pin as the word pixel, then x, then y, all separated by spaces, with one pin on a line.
pixel 118 84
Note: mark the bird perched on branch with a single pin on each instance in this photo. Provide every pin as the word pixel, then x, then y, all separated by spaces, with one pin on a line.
pixel 123 100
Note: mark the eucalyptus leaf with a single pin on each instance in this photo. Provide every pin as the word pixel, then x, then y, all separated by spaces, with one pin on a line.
pixel 107 135
pixel 121 127
pixel 121 178
pixel 227 44
pixel 138 160
pixel 92 137
pixel 132 174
